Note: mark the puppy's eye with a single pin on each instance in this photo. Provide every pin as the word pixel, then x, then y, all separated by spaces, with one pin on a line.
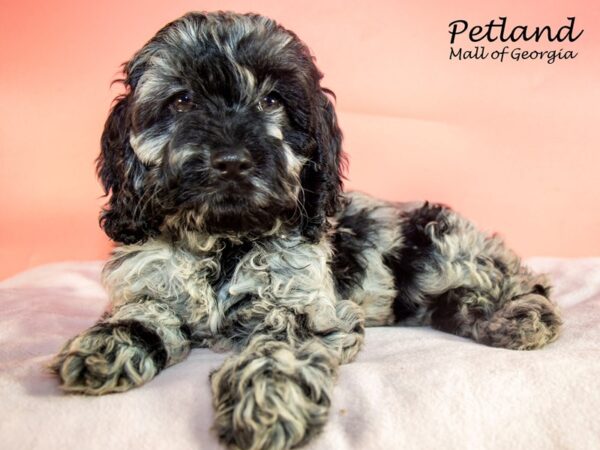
pixel 269 102
pixel 182 103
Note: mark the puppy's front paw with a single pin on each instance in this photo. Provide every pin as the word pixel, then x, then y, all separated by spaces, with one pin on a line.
pixel 271 399
pixel 109 358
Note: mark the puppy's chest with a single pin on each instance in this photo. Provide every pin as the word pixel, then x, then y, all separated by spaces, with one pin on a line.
pixel 243 276
pixel 255 281
pixel 230 259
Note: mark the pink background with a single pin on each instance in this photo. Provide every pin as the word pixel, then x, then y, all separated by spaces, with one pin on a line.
pixel 514 146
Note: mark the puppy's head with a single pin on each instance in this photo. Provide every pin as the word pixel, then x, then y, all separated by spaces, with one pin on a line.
pixel 224 129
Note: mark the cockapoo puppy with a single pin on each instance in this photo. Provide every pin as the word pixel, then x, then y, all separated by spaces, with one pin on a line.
pixel 223 163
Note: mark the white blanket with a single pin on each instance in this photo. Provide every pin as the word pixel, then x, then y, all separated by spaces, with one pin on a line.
pixel 410 388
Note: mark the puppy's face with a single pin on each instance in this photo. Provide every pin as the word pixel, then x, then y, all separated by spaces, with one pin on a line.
pixel 225 130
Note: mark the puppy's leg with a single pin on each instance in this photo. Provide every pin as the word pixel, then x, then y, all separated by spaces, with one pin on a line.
pixel 273 395
pixel 123 350
pixel 467 283
pixel 276 393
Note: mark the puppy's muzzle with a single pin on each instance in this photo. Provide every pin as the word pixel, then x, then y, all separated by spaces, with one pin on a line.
pixel 231 163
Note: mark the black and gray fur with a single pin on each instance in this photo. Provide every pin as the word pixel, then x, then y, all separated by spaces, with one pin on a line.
pixel 223 162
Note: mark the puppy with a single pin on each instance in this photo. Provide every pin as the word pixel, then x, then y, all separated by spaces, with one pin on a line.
pixel 223 164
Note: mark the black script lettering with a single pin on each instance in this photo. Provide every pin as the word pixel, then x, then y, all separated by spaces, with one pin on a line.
pixel 455 31
pixel 457 54
pixel 497 29
pixel 569 30
pixel 475 31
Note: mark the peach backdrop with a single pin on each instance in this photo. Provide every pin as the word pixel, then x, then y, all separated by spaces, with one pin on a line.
pixel 514 146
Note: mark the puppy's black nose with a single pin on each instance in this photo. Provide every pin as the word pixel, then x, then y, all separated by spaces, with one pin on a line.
pixel 231 162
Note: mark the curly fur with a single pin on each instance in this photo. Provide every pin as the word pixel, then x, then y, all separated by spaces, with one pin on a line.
pixel 275 263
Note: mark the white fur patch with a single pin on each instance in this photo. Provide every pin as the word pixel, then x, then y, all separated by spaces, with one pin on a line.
pixel 149 151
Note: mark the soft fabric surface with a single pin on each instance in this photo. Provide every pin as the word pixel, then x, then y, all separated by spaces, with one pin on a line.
pixel 410 388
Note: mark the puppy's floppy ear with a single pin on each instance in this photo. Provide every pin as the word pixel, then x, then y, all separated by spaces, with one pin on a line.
pixel 322 178
pixel 126 218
